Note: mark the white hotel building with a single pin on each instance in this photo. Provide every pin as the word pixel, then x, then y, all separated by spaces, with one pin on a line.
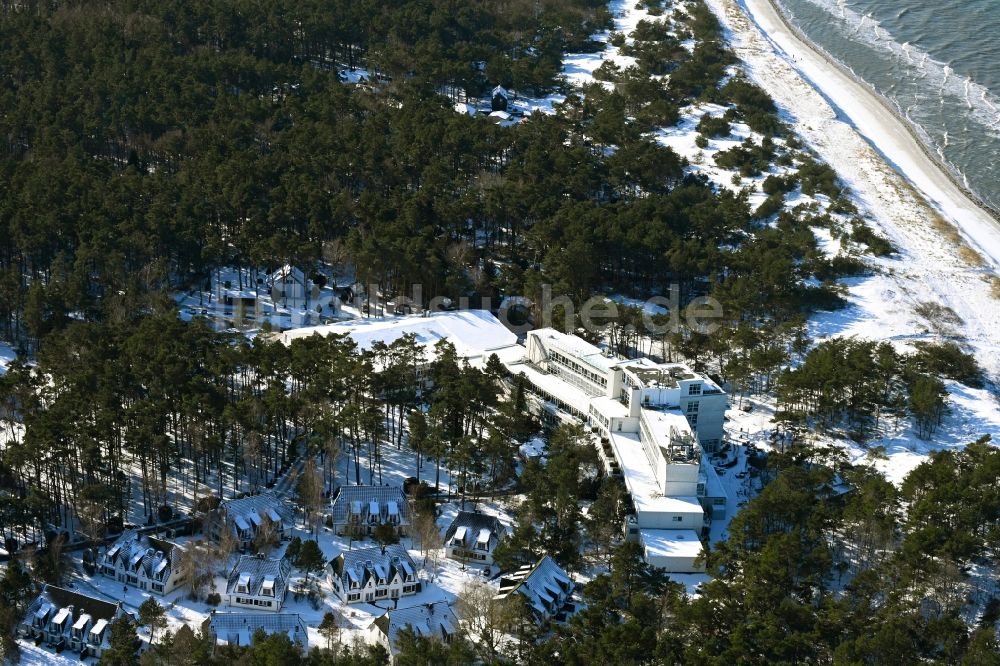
pixel 655 421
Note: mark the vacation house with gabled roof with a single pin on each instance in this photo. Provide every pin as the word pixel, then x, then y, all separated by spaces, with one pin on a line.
pixel 358 510
pixel 259 583
pixel 436 621
pixel 366 575
pixel 64 619
pixel 545 586
pixel 472 537
pixel 247 516
pixel 145 562
pixel 239 628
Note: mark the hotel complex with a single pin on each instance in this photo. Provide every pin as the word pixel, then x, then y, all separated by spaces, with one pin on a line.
pixel 655 421
pixel 652 422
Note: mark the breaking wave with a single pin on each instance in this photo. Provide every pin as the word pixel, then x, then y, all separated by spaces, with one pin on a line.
pixel 955 115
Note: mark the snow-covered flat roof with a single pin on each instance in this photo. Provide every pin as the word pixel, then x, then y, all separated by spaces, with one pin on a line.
pixel 640 481
pixel 576 347
pixel 663 421
pixel 609 407
pixel 554 386
pixel 671 543
pixel 475 333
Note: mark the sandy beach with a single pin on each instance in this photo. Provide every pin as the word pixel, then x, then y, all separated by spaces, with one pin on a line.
pixel 905 194
pixel 879 124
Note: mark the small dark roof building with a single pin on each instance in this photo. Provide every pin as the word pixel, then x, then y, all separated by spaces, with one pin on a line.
pixel 473 537
pixel 500 99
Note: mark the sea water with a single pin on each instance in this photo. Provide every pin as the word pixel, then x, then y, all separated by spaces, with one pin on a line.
pixel 936 61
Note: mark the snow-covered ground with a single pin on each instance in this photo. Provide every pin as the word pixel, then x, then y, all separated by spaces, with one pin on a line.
pixel 443 580
pixel 280 313
pixel 933 229
pixel 7 356
pixel 835 116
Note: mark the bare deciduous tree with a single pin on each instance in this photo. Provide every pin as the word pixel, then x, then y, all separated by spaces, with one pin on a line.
pixel 426 531
pixel 226 544
pixel 198 563
pixel 266 539
pixel 486 618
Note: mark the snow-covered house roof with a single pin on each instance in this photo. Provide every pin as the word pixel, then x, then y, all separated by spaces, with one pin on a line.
pixel 434 620
pixel 475 333
pixel 288 274
pixel 239 628
pixel 545 585
pixel 470 529
pixel 501 91
pixel 671 544
pixel 259 577
pixel 143 553
pixel 370 502
pixel 251 510
pixel 361 564
pixel 67 608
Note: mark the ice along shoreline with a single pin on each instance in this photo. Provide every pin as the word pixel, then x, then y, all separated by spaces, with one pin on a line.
pixel 882 127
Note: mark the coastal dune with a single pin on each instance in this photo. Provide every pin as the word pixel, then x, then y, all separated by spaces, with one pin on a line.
pixel 948 246
pixel 870 116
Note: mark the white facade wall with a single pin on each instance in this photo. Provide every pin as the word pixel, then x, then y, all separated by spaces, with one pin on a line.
pixel 372 590
pixel 255 602
pixel 673 563
pixel 679 518
pixel 680 479
pixel 711 411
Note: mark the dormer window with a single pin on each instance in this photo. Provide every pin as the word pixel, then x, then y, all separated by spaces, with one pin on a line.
pixel 267 588
pixel 243 584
